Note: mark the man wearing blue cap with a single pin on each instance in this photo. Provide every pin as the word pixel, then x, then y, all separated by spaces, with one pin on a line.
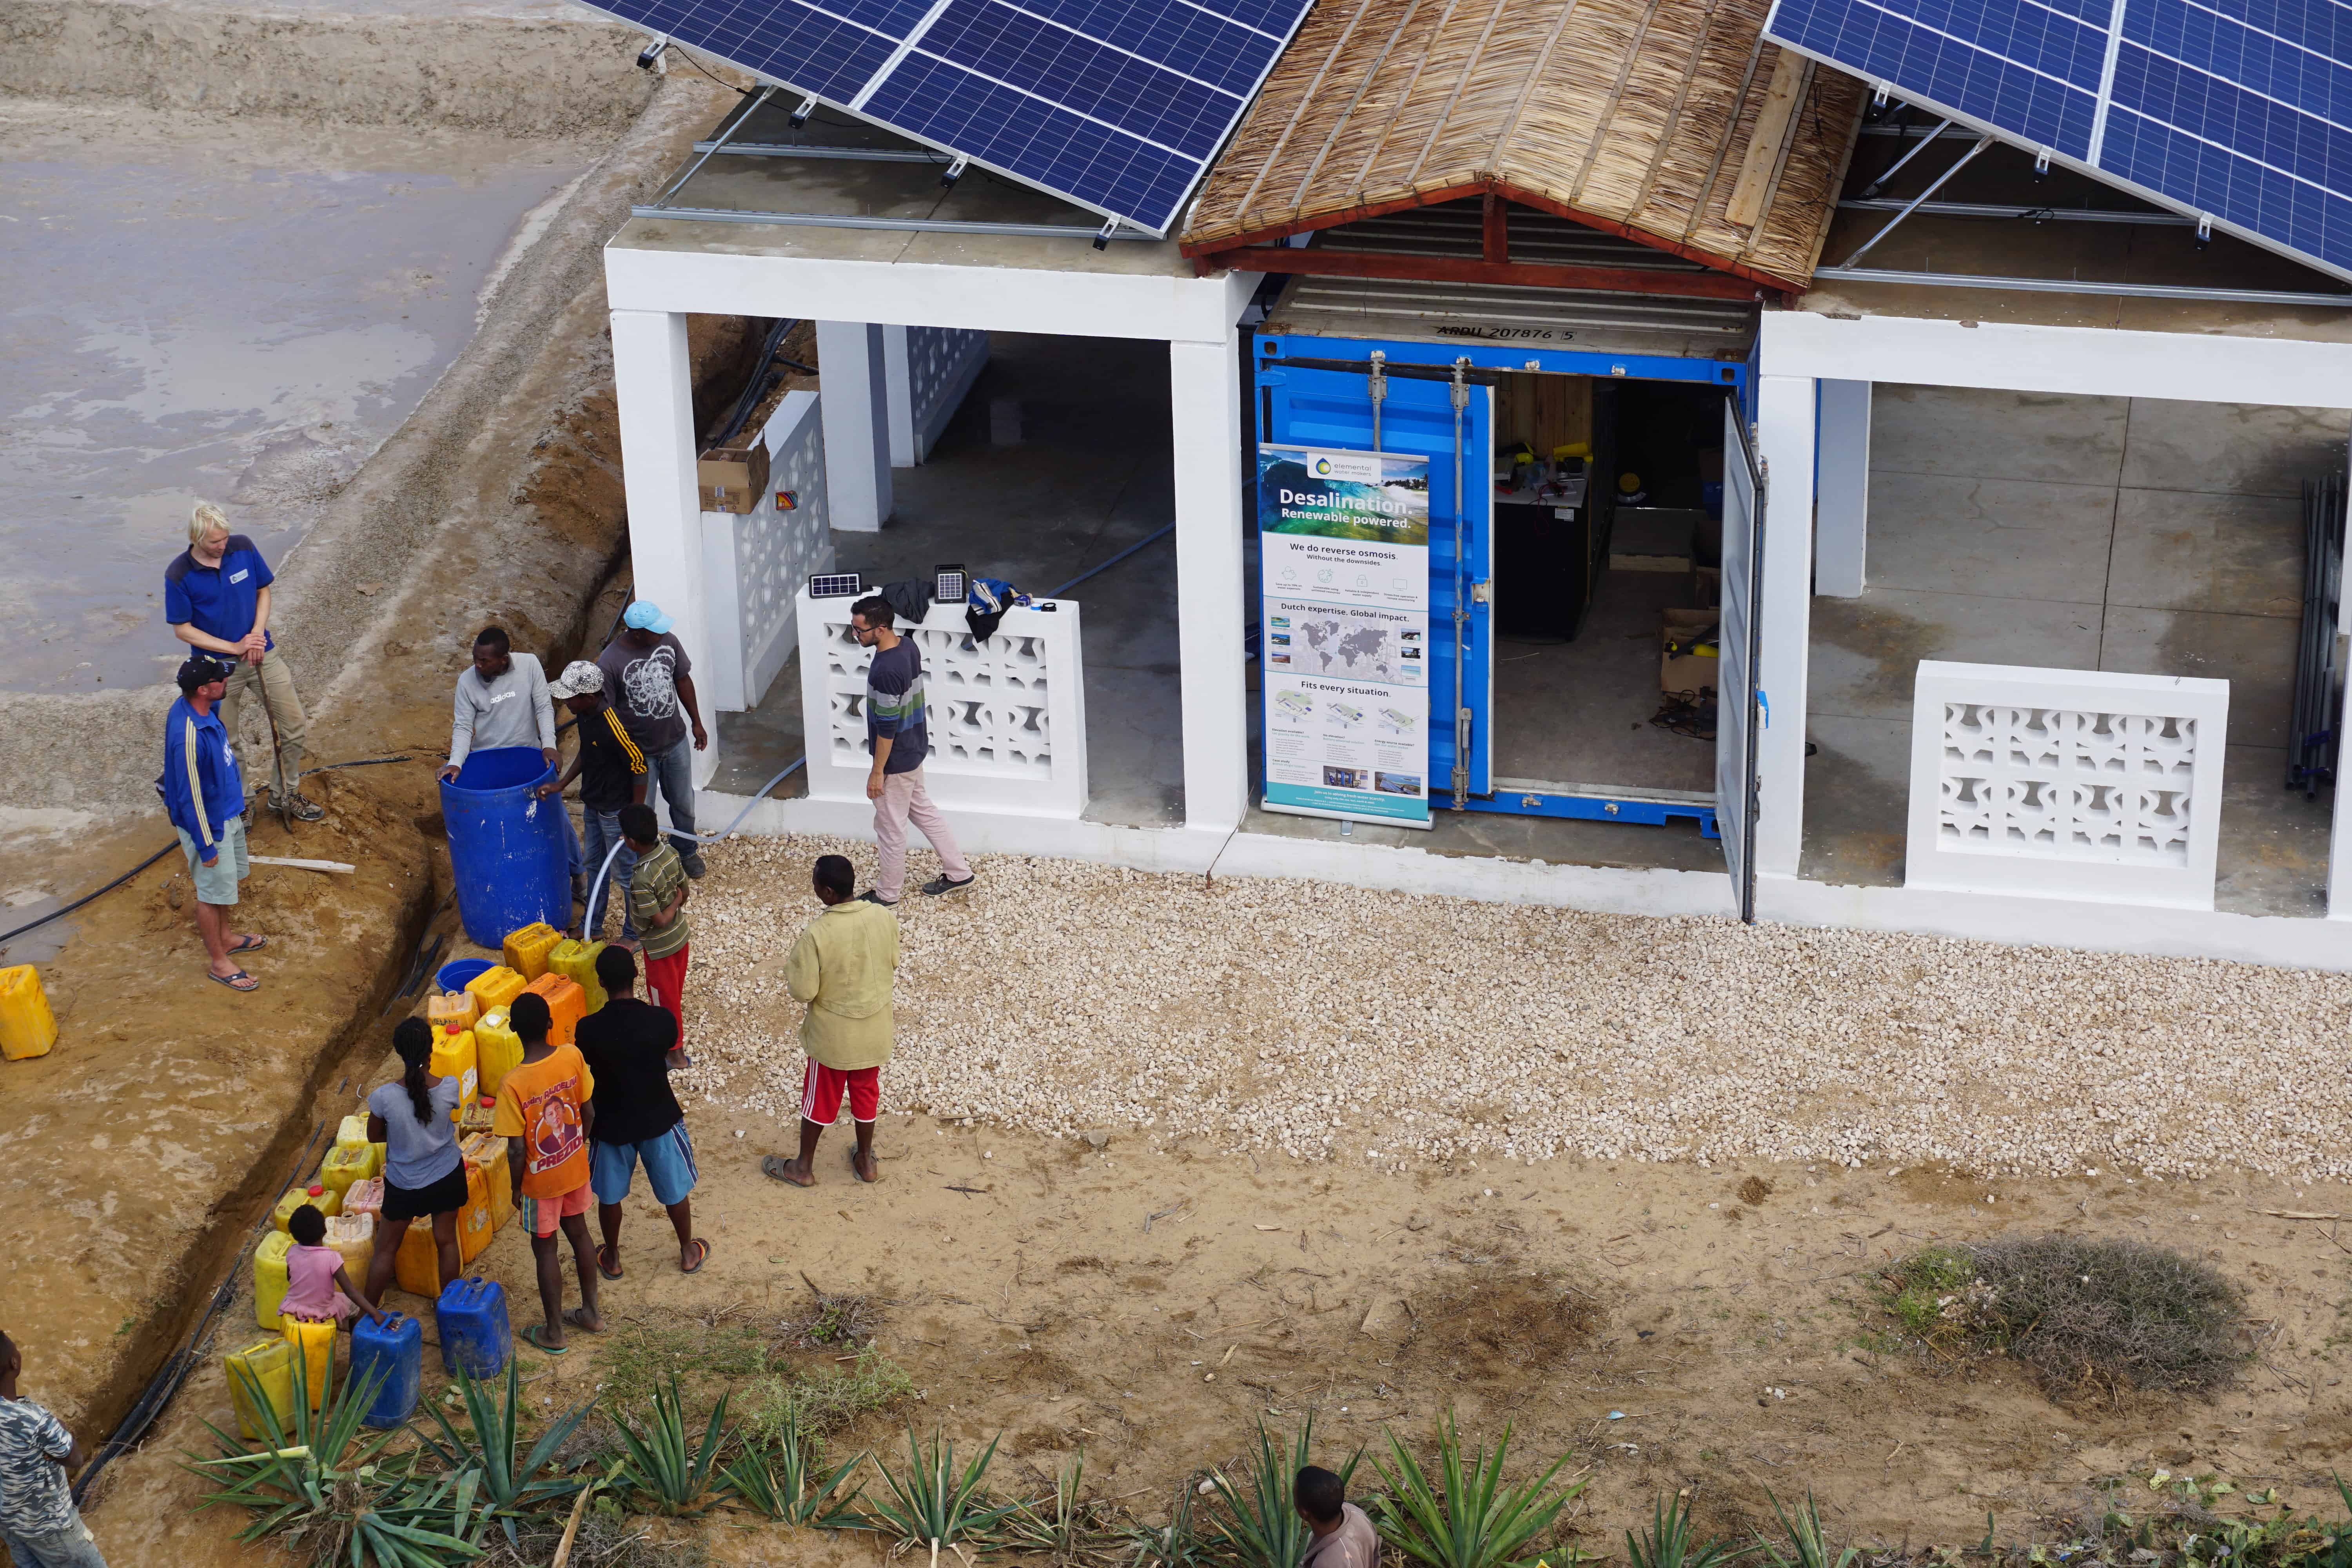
pixel 203 797
pixel 649 681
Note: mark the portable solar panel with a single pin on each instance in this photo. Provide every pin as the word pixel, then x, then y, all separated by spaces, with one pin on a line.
pixel 835 586
pixel 1116 105
pixel 2235 110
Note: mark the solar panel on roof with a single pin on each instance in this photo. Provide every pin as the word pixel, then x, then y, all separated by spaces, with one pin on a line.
pixel 2239 111
pixel 1117 105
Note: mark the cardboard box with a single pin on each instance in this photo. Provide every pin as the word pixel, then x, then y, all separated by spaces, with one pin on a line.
pixel 733 478
pixel 1680 672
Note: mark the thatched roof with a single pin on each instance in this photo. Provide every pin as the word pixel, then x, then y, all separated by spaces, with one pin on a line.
pixel 1671 121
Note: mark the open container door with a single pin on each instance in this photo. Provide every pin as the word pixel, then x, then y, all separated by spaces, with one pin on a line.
pixel 1329 403
pixel 1740 712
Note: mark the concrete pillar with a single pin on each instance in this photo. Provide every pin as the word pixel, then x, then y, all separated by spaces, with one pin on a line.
pixel 898 383
pixel 1785 443
pixel 1205 393
pixel 1841 534
pixel 854 397
pixel 653 384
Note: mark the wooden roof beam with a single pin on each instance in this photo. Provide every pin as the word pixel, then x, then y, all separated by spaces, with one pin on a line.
pixel 1461 269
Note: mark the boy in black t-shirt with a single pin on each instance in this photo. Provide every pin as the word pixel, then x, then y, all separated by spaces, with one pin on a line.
pixel 631 1048
pixel 612 774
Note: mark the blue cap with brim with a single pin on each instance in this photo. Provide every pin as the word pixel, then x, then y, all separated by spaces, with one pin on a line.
pixel 644 616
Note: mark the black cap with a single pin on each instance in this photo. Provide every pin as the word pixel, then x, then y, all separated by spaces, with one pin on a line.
pixel 201 669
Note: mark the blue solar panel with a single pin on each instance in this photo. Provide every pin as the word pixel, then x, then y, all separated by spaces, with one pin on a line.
pixel 2236 110
pixel 1118 105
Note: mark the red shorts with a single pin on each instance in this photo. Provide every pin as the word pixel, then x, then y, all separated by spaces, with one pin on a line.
pixel 541 1216
pixel 821 1092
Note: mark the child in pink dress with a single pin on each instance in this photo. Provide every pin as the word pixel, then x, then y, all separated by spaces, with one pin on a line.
pixel 317 1289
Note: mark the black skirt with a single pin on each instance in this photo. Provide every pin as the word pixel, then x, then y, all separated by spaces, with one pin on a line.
pixel 446 1195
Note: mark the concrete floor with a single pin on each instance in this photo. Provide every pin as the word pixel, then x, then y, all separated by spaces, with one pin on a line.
pixel 1090 477
pixel 2142 535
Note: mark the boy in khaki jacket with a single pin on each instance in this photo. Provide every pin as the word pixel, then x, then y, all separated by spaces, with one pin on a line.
pixel 842 966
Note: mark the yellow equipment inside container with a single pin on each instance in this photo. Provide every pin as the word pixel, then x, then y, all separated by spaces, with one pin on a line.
pixel 28 1028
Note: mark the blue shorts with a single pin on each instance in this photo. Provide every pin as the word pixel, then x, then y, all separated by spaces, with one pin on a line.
pixel 669 1167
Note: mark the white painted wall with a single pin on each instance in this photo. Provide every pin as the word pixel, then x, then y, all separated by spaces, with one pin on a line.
pixel 1841 524
pixel 755 563
pixel 2073 784
pixel 928 370
pixel 1204 384
pixel 1006 717
pixel 852 373
pixel 653 384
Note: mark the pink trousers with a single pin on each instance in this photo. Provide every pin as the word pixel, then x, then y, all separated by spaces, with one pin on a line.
pixel 904 799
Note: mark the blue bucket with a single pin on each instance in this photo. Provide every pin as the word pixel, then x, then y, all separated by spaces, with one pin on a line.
pixel 460 973
pixel 506 849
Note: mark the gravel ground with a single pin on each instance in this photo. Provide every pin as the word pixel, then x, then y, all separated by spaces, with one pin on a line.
pixel 1333 1022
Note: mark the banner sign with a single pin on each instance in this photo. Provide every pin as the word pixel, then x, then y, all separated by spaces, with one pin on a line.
pixel 1343 565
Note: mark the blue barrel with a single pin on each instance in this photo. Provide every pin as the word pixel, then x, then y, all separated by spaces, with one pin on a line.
pixel 396 1346
pixel 506 845
pixel 475 1334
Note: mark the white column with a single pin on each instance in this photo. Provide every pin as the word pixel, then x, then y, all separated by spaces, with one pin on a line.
pixel 1204 384
pixel 652 386
pixel 1785 439
pixel 899 383
pixel 854 400
pixel 1842 534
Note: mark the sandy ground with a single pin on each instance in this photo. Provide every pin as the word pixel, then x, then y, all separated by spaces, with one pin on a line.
pixel 1148 1301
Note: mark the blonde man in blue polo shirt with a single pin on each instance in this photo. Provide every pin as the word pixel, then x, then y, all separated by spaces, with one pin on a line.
pixel 216 599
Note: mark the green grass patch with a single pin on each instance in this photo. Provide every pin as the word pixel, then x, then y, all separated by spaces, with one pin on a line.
pixel 826 1398
pixel 642 1354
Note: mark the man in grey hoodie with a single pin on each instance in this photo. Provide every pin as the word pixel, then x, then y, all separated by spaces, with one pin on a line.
pixel 503 701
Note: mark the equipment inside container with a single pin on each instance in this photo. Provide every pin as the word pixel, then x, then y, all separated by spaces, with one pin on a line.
pixel 1608 529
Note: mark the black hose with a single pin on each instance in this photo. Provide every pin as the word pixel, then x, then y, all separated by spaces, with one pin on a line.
pixel 752 389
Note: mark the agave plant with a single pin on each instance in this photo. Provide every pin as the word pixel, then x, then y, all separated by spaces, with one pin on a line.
pixel 509 1486
pixel 316 1484
pixel 1807 1547
pixel 1467 1518
pixel 662 1463
pixel 776 1480
pixel 933 1506
pixel 1065 1530
pixel 1179 1543
pixel 1260 1529
pixel 1667 1542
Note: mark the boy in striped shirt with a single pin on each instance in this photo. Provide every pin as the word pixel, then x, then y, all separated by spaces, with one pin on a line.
pixel 611 769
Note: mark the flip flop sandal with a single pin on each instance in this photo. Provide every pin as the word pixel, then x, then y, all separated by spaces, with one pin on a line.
pixel 577 1318
pixel 700 1258
pixel 608 1273
pixel 774 1168
pixel 240 981
pixel 535 1333
pixel 250 944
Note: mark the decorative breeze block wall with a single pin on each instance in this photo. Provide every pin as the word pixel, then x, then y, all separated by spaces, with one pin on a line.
pixel 1007 716
pixel 928 370
pixel 755 563
pixel 2066 784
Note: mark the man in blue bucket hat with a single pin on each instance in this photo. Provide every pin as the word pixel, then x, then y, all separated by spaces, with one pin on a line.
pixel 649 680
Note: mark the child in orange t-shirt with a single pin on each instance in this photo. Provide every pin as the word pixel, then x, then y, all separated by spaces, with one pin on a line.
pixel 544 1114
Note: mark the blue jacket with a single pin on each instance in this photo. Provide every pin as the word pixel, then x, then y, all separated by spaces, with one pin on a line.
pixel 202 788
